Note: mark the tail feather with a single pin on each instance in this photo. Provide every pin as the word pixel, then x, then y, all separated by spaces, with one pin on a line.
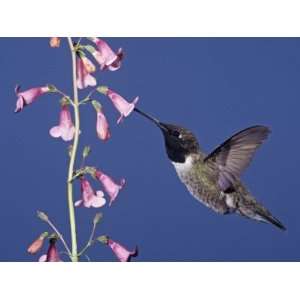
pixel 249 207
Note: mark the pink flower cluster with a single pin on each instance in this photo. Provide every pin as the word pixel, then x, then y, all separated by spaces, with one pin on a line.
pixel 66 130
pixel 90 198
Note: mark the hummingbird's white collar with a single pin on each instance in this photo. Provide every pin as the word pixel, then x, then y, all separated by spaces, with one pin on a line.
pixel 185 166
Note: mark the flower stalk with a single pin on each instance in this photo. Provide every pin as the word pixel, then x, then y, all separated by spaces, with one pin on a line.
pixel 74 253
pixel 90 241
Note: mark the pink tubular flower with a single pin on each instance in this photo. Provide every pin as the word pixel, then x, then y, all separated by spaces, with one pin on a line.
pixel 121 253
pixel 110 187
pixel 102 126
pixel 65 129
pixel 29 96
pixel 106 57
pixel 37 244
pixel 89 197
pixel 83 69
pixel 123 106
pixel 52 253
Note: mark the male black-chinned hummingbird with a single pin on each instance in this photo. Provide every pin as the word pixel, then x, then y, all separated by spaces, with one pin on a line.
pixel 214 179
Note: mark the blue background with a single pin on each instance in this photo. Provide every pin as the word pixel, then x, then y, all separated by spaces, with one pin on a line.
pixel 215 87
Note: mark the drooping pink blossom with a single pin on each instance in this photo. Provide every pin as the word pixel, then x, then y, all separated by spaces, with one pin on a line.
pixel 52 253
pixel 83 69
pixel 102 126
pixel 29 96
pixel 106 57
pixel 65 129
pixel 109 185
pixel 123 106
pixel 121 252
pixel 89 197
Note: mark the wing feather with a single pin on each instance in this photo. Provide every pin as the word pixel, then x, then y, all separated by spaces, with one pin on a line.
pixel 235 154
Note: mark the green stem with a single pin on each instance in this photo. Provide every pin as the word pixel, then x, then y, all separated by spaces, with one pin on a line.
pixel 60 236
pixel 74 256
pixel 90 240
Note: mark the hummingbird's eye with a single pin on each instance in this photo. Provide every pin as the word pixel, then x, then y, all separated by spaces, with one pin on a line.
pixel 176 134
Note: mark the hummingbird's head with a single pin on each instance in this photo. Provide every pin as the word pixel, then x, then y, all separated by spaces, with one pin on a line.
pixel 179 142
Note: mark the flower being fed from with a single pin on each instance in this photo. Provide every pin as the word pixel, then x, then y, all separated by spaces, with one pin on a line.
pixel 29 96
pixel 89 197
pixel 120 251
pixel 123 106
pixel 65 129
pixel 102 126
pixel 83 69
pixel 52 253
pixel 109 185
pixel 105 56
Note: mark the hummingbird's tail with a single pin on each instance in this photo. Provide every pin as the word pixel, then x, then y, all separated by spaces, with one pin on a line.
pixel 250 208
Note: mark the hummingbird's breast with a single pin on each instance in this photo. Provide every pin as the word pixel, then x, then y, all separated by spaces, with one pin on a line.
pixel 201 182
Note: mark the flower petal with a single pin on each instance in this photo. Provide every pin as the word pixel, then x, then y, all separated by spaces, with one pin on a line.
pixel 55 131
pixel 78 203
pixel 20 104
pixel 98 201
pixel 43 258
pixel 68 133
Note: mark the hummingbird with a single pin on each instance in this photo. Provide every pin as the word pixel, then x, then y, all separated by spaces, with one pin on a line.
pixel 214 179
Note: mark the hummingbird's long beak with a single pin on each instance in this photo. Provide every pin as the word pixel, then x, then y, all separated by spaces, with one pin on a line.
pixel 152 119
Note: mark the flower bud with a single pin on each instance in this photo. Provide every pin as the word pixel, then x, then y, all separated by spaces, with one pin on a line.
pixel 97 218
pixel 42 216
pixel 86 151
pixel 54 42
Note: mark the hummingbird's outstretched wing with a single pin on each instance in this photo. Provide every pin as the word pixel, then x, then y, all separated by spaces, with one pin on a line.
pixel 235 154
